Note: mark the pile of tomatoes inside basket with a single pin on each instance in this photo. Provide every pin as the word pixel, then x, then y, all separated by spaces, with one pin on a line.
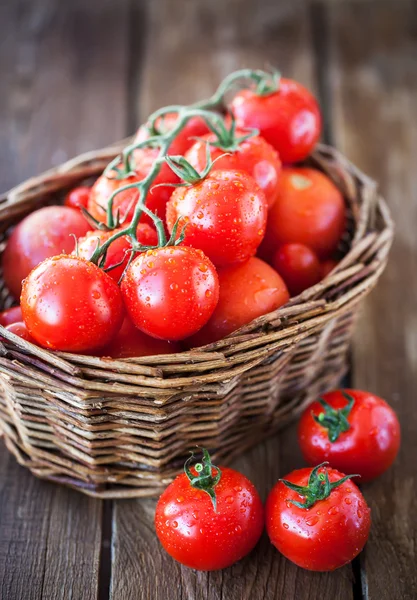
pixel 205 222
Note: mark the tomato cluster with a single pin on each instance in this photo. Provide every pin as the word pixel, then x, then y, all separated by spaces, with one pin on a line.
pixel 247 226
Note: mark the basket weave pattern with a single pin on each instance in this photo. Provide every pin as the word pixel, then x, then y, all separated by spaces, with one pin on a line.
pixel 121 428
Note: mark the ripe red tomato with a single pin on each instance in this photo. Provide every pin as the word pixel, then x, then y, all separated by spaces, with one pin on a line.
pixel 20 329
pixel 298 266
pixel 209 517
pixel 118 251
pixel 247 291
pixel 171 292
pixel 44 233
pixel 327 267
pixel 125 202
pixel 11 315
pixel 195 127
pixel 70 304
pixel 78 197
pixel 130 342
pixel 353 430
pixel 309 210
pixel 254 156
pixel 288 119
pixel 317 518
pixel 225 216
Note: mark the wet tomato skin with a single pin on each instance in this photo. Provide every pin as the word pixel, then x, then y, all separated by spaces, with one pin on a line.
pixel 78 197
pixel 195 535
pixel 324 537
pixel 44 233
pixel 247 291
pixel 69 304
pixel 288 119
pixel 309 210
pixel 225 216
pixel 10 315
pixel 118 251
pixel 368 448
pixel 171 292
pixel 254 156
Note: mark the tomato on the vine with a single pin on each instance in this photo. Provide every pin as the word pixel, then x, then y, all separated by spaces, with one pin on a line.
pixel 317 518
pixel 253 155
pixel 298 266
pixel 125 202
pixel 69 304
pixel 247 291
pixel 309 210
pixel 44 233
pixel 195 127
pixel 10 315
pixel 353 430
pixel 119 250
pixel 78 197
pixel 289 119
pixel 170 292
pixel 129 342
pixel 209 517
pixel 225 215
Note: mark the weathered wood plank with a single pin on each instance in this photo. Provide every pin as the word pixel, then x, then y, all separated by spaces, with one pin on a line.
pixel 375 122
pixel 64 90
pixel 189 47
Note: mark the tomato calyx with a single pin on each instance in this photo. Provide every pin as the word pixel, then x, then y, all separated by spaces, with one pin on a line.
pixel 227 139
pixel 204 480
pixel 335 420
pixel 268 83
pixel 186 171
pixel 318 487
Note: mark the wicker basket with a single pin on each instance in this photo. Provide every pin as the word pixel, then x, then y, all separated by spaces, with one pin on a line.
pixel 121 428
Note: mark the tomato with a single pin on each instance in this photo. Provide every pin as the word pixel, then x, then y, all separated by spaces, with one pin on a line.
pixel 78 197
pixel 309 210
pixel 20 329
pixel 130 342
pixel 353 430
pixel 69 304
pixel 288 119
pixel 45 232
pixel 119 250
pixel 317 518
pixel 171 292
pixel 225 216
pixel 10 315
pixel 209 517
pixel 247 291
pixel 195 127
pixel 254 156
pixel 125 202
pixel 327 267
pixel 298 266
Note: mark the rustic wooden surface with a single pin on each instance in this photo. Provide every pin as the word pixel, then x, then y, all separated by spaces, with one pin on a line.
pixel 76 75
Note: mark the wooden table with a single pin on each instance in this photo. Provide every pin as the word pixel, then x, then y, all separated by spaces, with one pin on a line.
pixel 77 75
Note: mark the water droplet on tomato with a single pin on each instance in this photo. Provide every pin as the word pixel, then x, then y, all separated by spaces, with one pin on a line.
pixel 180 499
pixel 360 514
pixel 208 294
pixel 200 215
pixel 96 295
pixel 348 501
pixel 195 514
pixel 202 267
pixel 313 520
pixel 173 286
pixel 237 488
pixel 229 500
pixel 333 510
pixel 286 526
pixel 174 524
pixel 238 529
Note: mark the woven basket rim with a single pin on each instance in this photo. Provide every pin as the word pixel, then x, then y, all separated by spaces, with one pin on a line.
pixel 252 343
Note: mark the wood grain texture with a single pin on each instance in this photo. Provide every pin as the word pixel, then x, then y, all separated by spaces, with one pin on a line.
pixel 375 123
pixel 64 90
pixel 190 47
